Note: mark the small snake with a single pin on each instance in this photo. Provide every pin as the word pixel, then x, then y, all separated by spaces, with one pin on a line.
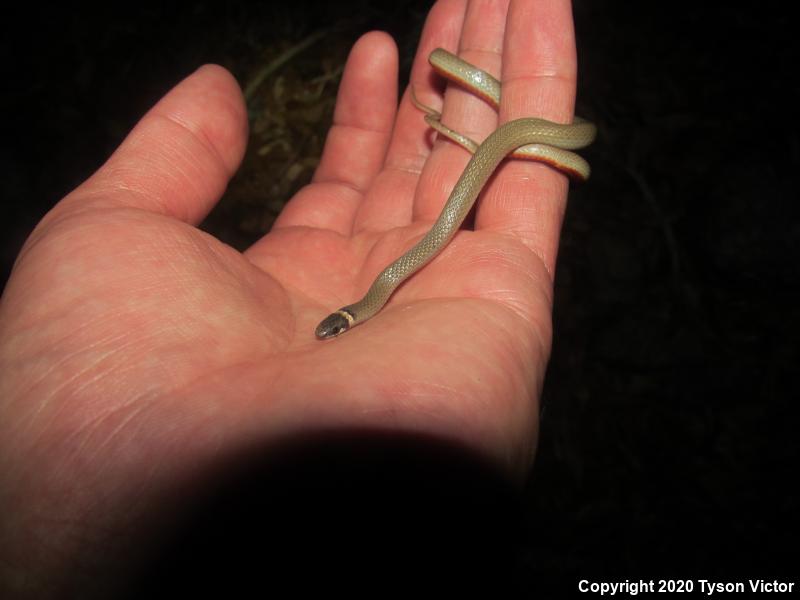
pixel 530 138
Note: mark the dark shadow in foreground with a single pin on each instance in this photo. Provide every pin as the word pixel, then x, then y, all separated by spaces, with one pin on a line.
pixel 348 511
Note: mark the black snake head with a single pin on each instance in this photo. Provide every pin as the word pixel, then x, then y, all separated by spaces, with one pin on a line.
pixel 334 324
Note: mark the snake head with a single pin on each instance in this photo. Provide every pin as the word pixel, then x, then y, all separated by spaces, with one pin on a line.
pixel 334 324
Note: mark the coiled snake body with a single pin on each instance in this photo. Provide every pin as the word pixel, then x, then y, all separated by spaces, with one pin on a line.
pixel 530 138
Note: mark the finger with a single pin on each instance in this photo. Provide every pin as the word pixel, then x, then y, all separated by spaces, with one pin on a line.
pixel 356 144
pixel 178 159
pixel 480 44
pixel 528 199
pixel 389 203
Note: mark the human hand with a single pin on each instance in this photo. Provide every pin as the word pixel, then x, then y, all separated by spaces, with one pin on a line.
pixel 134 347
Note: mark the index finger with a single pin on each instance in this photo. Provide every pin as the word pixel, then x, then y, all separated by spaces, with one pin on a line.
pixel 409 148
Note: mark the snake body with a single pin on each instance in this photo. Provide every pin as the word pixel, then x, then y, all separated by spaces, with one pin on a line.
pixel 537 139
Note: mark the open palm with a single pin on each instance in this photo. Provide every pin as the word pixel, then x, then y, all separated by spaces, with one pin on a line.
pixel 134 346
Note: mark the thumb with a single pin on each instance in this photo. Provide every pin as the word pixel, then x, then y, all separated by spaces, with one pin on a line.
pixel 179 158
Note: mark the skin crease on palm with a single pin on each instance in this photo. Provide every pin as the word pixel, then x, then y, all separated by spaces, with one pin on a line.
pixel 135 349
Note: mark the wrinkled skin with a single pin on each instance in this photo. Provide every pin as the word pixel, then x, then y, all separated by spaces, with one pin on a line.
pixel 134 347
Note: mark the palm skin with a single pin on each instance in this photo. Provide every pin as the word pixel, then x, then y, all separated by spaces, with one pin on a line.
pixel 134 347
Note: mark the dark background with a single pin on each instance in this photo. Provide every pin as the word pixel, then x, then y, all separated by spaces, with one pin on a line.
pixel 669 432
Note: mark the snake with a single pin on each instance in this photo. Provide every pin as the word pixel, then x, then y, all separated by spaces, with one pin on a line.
pixel 529 138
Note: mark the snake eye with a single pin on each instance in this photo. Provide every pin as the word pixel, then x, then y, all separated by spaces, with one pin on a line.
pixel 332 326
